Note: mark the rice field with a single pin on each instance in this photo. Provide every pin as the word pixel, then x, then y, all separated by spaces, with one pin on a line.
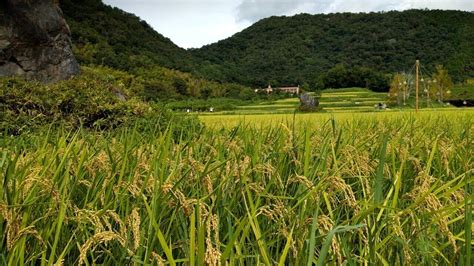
pixel 317 119
pixel 340 100
pixel 320 189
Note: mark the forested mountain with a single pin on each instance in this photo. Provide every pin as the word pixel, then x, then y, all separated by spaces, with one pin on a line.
pixel 110 36
pixel 103 35
pixel 299 49
pixel 284 50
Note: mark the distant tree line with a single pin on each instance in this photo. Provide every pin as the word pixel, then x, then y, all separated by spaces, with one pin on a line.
pixel 345 77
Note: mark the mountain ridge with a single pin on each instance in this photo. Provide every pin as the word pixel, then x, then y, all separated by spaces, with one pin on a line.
pixel 110 36
pixel 316 43
pixel 281 50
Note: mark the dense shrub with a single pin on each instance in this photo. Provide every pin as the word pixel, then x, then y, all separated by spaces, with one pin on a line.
pixel 98 99
pixel 81 101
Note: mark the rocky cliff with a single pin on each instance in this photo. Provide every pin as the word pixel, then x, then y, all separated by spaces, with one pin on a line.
pixel 35 41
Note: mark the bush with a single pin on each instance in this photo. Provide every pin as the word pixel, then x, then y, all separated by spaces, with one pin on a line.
pixel 98 99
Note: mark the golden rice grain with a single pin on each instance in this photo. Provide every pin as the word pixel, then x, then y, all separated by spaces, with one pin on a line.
pixel 97 239
pixel 134 223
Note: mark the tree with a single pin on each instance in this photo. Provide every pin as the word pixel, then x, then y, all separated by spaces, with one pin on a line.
pixel 336 77
pixel 397 90
pixel 181 86
pixel 305 87
pixel 442 84
pixel 206 92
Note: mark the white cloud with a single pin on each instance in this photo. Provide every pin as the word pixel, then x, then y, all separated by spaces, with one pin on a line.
pixel 188 23
pixel 253 10
pixel 193 23
pixel 330 6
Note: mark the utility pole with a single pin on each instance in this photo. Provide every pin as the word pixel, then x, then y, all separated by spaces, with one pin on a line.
pixel 417 82
pixel 405 85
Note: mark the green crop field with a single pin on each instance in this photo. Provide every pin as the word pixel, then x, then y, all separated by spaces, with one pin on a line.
pixel 350 99
pixel 275 119
pixel 353 100
pixel 392 188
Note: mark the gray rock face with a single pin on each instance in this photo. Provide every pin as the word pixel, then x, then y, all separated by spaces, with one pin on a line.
pixel 35 41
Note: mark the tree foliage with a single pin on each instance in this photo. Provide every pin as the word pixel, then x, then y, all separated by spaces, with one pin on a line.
pixel 343 77
pixel 438 87
pixel 398 89
pixel 109 36
pixel 443 84
pixel 302 48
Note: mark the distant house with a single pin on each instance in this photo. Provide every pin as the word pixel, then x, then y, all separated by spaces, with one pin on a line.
pixel 290 90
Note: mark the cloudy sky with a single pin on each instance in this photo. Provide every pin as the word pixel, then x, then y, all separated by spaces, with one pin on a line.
pixel 194 23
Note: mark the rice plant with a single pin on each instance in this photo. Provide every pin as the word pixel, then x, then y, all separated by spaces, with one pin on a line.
pixel 392 190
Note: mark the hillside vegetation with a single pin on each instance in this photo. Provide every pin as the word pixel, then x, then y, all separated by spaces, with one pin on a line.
pixel 103 98
pixel 299 49
pixel 312 50
pixel 110 36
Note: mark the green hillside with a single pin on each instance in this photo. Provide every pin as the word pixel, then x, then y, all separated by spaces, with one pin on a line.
pixel 299 49
pixel 302 49
pixel 107 36
pixel 110 36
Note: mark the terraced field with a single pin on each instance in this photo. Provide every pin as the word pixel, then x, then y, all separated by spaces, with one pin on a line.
pixel 342 104
pixel 275 119
pixel 354 99
pixel 340 100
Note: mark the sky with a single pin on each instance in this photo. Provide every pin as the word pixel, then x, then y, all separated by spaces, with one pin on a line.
pixel 194 23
